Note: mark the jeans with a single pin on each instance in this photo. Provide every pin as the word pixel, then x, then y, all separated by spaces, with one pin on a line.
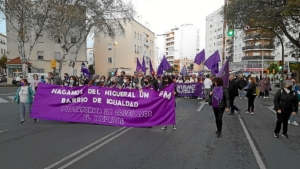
pixel 242 93
pixel 267 93
pixel 292 118
pixel 218 116
pixel 207 91
pixel 282 118
pixel 24 108
pixel 251 99
pixel 232 106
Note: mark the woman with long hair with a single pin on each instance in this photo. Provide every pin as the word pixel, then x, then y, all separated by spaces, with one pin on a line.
pixel 251 94
pixel 24 98
pixel 219 102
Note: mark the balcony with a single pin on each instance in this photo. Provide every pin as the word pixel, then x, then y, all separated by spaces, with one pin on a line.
pixel 230 51
pixel 258 47
pixel 229 41
pixel 146 43
pixel 257 37
pixel 258 58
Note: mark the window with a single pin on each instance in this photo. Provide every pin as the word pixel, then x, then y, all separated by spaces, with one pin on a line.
pixel 1 51
pixel 40 55
pixel 40 39
pixel 41 70
pixel 109 46
pixel 140 49
pixel 138 35
pixel 134 34
pixel 73 39
pixel 135 49
pixel 4 51
pixel 109 60
pixel 57 39
pixel 57 55
pixel 141 37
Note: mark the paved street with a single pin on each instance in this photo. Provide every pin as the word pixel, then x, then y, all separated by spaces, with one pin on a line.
pixel 247 141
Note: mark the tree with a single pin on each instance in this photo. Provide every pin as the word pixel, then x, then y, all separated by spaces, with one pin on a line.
pixel 273 66
pixel 27 19
pixel 73 20
pixel 280 17
pixel 3 61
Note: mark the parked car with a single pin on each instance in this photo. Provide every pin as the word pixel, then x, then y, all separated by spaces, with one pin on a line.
pixel 3 79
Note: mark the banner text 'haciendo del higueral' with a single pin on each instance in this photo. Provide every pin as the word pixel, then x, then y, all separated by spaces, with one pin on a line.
pixel 107 106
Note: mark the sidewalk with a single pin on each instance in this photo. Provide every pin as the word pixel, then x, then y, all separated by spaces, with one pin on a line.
pixel 4 84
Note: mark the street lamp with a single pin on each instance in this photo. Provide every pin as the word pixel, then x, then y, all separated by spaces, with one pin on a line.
pixel 115 45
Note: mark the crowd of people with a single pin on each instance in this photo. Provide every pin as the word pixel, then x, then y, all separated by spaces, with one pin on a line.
pixel 221 98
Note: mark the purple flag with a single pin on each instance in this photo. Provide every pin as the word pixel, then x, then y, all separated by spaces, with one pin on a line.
pixel 164 65
pixel 151 68
pixel 144 66
pixel 116 72
pixel 200 57
pixel 190 89
pixel 200 73
pixel 218 92
pixel 224 73
pixel 138 65
pixel 84 71
pixel 103 105
pixel 184 71
pixel 212 63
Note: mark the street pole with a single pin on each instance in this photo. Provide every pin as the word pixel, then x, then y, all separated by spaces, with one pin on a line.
pixel 262 64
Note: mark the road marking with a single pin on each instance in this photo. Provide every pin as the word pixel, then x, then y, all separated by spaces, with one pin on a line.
pixel 3 101
pixel 83 149
pixel 3 131
pixel 201 107
pixel 7 94
pixel 272 109
pixel 258 158
pixel 93 149
pixel 10 97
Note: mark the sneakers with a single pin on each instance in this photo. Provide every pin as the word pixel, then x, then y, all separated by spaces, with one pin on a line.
pixel 21 123
pixel 285 135
pixel 251 113
pixel 174 127
pixel 295 123
pixel 164 128
pixel 35 120
pixel 289 122
pixel 247 112
pixel 276 135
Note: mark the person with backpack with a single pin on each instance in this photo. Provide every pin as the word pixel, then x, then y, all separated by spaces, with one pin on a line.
pixel 285 105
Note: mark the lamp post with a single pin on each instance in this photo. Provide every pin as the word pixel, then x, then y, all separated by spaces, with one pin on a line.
pixel 115 45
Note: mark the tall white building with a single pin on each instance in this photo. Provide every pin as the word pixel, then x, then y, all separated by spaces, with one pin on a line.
pixel 90 56
pixel 182 43
pixel 214 35
pixel 3 49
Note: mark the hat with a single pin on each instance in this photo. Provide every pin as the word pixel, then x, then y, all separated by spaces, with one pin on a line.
pixel 95 76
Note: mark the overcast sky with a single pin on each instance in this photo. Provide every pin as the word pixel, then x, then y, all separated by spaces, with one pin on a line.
pixel 163 15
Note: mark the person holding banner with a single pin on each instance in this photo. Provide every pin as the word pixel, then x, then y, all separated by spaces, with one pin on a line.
pixel 219 100
pixel 127 83
pixel 147 83
pixel 24 98
pixel 73 82
pixel 114 83
pixel 167 80
pixel 95 81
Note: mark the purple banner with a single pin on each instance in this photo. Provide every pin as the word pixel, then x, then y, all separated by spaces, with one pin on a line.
pixel 190 89
pixel 108 106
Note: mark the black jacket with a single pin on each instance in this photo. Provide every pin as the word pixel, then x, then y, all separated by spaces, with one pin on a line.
pixel 286 102
pixel 233 89
pixel 242 83
pixel 251 90
pixel 154 82
pixel 225 101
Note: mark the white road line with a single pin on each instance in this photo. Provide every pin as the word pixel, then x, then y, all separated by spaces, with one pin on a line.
pixel 201 107
pixel 94 149
pixel 3 101
pixel 10 97
pixel 3 131
pixel 272 109
pixel 83 149
pixel 7 94
pixel 259 160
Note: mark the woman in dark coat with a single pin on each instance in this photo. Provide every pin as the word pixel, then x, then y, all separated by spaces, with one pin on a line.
pixel 219 102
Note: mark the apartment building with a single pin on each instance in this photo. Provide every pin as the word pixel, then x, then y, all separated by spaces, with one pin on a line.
pixel 3 49
pixel 122 52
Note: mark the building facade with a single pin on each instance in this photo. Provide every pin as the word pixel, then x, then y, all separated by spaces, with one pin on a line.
pixel 214 36
pixel 90 56
pixel 182 43
pixel 44 51
pixel 122 52
pixel 3 49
